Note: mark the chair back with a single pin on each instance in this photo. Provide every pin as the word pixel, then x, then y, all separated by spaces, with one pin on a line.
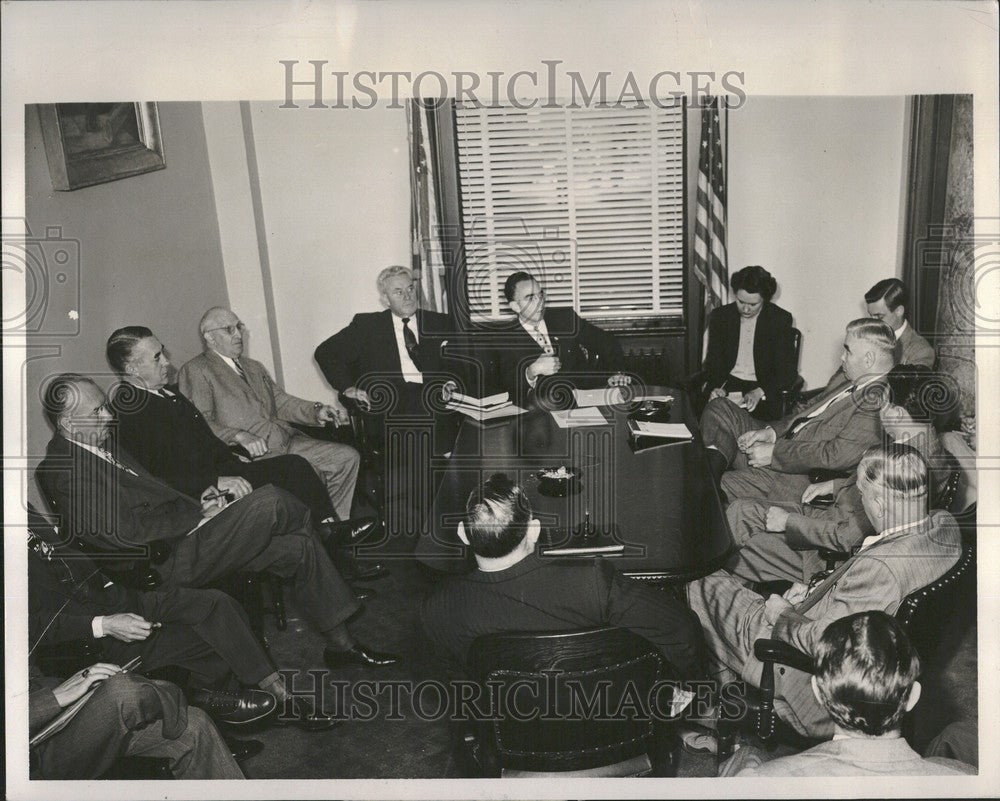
pixel 925 613
pixel 796 346
pixel 547 681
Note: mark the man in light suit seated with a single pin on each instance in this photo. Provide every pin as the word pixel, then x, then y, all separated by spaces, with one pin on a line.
pixel 243 406
pixel 912 549
pixel 866 678
pixel 773 462
pixel 780 542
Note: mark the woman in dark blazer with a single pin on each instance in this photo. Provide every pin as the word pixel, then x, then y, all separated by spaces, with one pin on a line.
pixel 750 346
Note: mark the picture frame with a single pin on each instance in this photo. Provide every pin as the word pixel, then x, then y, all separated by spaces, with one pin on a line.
pixel 94 143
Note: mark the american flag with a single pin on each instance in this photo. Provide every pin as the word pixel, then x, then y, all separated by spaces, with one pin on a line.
pixel 710 262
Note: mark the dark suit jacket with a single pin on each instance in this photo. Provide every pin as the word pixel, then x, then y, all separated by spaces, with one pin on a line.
pixel 773 357
pixel 545 595
pixel 365 351
pixel 107 507
pixel 171 439
pixel 587 353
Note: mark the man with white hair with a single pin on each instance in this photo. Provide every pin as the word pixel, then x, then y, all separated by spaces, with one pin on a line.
pixel 244 406
pixel 911 549
pixel 396 361
pixel 773 462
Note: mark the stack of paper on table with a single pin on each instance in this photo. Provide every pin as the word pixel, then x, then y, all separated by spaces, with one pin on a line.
pixel 676 431
pixel 612 396
pixel 488 408
pixel 572 418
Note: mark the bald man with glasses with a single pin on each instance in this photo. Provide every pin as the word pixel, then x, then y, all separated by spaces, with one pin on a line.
pixel 244 406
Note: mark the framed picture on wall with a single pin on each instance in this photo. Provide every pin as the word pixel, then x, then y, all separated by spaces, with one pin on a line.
pixel 93 143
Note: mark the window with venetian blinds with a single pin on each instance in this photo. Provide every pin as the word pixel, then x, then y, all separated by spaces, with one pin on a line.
pixel 589 199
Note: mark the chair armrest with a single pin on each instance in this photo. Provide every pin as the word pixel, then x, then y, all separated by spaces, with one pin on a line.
pixel 782 653
pixel 789 397
pixel 772 652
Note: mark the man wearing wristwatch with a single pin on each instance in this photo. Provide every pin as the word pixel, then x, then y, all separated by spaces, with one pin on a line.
pixel 243 406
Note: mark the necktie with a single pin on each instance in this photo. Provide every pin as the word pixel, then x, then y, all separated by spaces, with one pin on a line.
pixel 239 369
pixel 106 454
pixel 801 421
pixel 542 340
pixel 410 340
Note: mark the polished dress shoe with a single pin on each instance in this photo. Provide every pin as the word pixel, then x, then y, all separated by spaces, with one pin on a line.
pixel 237 708
pixel 363 593
pixel 345 533
pixel 364 571
pixel 302 717
pixel 357 654
pixel 243 749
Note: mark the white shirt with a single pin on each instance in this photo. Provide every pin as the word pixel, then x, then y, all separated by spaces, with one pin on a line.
pixel 899 331
pixel 744 367
pixel 869 541
pixel 540 333
pixel 845 392
pixel 231 363
pixel 410 372
pixel 104 454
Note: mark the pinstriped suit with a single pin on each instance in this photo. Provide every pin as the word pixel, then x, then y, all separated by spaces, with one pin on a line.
pixel 231 406
pixel 834 439
pixel 270 530
pixel 877 578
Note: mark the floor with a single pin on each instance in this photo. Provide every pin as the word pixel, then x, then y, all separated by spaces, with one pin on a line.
pixel 396 742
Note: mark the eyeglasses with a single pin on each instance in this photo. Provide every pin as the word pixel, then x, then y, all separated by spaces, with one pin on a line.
pixel 229 329
pixel 407 292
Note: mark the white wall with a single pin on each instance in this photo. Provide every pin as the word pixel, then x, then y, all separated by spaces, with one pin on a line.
pixel 816 197
pixel 336 206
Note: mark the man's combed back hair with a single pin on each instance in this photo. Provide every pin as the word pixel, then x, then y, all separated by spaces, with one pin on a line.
pixel 496 517
pixel 865 667
pixel 897 468
pixel 122 342
pixel 892 290
pixel 391 272
pixel 512 281
pixel 62 394
pixel 873 330
pixel 755 280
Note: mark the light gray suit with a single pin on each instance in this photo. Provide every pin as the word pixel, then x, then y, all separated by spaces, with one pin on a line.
pixel 851 756
pixel 834 439
pixel 257 405
pixel 877 578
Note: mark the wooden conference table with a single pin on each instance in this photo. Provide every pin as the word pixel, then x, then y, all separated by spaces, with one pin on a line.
pixel 658 501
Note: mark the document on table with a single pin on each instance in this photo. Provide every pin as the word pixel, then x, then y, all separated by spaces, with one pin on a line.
pixel 612 396
pixel 605 396
pixel 573 418
pixel 642 428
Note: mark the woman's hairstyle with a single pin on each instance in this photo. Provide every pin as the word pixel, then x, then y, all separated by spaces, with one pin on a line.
pixel 755 280
pixel 121 343
pixel 496 517
pixel 895 467
pixel 865 667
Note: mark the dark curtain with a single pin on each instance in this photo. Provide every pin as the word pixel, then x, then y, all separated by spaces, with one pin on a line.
pixel 939 261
